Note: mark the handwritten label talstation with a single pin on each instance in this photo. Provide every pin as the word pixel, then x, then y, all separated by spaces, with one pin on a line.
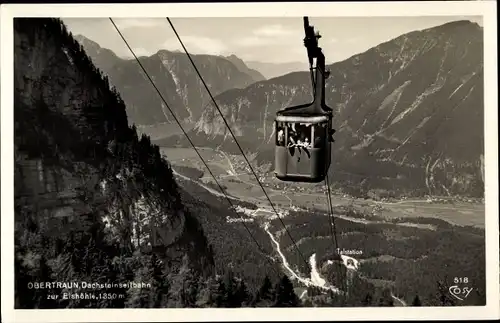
pixel 349 252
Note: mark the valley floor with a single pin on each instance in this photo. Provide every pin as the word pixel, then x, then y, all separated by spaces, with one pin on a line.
pixel 394 242
pixel 240 183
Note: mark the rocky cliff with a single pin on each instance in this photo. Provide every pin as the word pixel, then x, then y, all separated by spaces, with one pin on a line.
pixel 176 78
pixel 93 201
pixel 408 113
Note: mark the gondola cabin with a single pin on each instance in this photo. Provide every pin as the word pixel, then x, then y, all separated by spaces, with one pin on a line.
pixel 304 132
pixel 303 147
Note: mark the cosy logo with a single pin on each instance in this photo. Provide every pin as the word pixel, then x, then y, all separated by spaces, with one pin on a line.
pixel 458 292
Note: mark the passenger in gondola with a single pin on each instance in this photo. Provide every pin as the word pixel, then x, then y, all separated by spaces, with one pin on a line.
pixel 307 144
pixel 281 137
pixel 292 135
pixel 291 142
pixel 303 142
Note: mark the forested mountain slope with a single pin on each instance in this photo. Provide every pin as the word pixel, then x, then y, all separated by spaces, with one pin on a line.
pixel 93 201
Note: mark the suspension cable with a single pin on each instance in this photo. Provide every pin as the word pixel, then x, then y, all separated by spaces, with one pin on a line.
pixel 333 230
pixel 192 144
pixel 236 141
pixel 331 218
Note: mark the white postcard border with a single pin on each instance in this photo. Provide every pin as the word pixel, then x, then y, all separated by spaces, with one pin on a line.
pixel 487 9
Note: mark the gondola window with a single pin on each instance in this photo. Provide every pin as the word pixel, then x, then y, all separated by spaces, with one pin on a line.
pixel 280 134
pixel 319 134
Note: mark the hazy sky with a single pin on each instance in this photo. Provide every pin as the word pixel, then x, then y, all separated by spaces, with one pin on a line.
pixel 263 39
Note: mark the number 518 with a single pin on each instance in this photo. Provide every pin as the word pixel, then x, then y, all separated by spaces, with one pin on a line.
pixel 461 280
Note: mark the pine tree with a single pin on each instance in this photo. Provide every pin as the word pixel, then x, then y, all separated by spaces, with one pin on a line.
pixel 160 283
pixel 443 296
pixel 313 291
pixel 220 296
pixel 24 296
pixel 190 289
pixel 285 295
pixel 138 297
pixel 44 274
pixel 231 290
pixel 334 300
pixel 368 300
pixel 265 295
pixel 416 301
pixel 242 294
pixel 146 268
pixel 386 298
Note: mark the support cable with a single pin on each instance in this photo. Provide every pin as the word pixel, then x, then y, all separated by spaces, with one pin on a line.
pixel 192 144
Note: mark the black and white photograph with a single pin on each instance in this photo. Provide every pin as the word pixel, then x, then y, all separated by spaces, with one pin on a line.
pixel 286 155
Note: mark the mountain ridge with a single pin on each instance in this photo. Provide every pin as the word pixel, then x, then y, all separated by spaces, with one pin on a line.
pixel 173 73
pixel 418 90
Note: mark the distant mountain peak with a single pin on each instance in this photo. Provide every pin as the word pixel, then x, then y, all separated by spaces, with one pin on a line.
pixel 162 52
pixel 243 67
pixel 455 26
pixel 457 23
pixel 85 41
pixel 233 57
pixel 168 51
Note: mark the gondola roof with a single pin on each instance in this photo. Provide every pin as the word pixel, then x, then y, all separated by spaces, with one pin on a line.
pixel 305 110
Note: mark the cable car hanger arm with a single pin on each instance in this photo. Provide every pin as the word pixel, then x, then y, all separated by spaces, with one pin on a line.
pixel 314 51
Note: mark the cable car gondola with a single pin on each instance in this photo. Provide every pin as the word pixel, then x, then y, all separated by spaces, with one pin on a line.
pixel 304 132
